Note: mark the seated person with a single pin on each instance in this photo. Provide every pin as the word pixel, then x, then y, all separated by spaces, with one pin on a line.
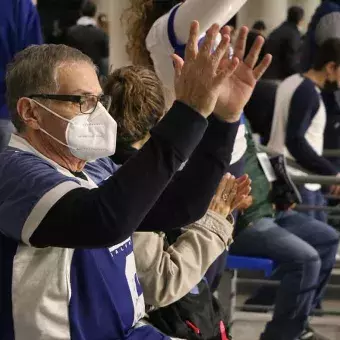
pixel 303 248
pixel 300 118
pixel 67 212
pixel 325 24
pixel 166 273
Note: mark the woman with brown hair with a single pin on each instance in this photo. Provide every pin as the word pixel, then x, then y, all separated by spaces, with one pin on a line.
pixel 167 272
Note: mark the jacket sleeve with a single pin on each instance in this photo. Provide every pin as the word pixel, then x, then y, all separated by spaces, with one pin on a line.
pixel 187 197
pixel 109 214
pixel 303 107
pixel 168 274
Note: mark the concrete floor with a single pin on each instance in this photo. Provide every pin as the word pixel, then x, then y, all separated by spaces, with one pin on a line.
pixel 248 326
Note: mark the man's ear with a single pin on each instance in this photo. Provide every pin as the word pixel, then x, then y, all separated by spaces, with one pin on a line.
pixel 27 110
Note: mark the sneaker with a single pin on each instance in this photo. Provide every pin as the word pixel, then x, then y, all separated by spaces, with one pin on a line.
pixel 310 334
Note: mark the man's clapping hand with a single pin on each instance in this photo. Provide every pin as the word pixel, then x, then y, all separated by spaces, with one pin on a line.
pixel 237 89
pixel 199 77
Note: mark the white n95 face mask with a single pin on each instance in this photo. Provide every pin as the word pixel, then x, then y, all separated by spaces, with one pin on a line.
pixel 88 136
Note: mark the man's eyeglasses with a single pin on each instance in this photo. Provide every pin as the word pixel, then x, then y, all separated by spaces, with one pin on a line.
pixel 87 103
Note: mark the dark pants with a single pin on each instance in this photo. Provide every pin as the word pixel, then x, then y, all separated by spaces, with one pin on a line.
pixel 304 250
pixel 314 198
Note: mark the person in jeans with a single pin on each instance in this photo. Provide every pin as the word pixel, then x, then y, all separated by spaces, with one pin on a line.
pixel 20 27
pixel 303 249
pixel 299 121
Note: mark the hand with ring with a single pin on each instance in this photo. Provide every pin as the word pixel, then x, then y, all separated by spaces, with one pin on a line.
pixel 230 194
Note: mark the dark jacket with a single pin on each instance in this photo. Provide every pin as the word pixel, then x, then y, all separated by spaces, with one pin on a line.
pixel 89 39
pixel 57 16
pixel 284 44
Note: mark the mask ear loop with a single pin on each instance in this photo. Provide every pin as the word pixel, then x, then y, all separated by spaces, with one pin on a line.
pixel 47 133
pixel 51 111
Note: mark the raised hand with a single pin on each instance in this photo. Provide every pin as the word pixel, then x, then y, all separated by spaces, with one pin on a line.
pixel 238 88
pixel 199 77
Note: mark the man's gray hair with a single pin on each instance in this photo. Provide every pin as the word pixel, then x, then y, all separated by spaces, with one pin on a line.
pixel 35 70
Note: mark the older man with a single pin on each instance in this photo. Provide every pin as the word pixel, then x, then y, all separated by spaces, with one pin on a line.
pixel 67 214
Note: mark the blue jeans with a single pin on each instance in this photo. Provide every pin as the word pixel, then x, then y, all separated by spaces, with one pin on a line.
pixel 315 198
pixel 6 128
pixel 304 250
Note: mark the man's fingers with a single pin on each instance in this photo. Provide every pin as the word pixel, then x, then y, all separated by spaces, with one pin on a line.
pixel 240 45
pixel 262 67
pixel 191 48
pixel 221 50
pixel 178 64
pixel 225 70
pixel 226 30
pixel 208 44
pixel 253 55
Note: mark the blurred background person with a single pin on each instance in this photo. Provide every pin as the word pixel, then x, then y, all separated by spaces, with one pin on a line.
pixel 259 28
pixel 300 119
pixel 324 25
pixel 103 23
pixel 284 44
pixel 87 37
pixel 56 17
pixel 20 27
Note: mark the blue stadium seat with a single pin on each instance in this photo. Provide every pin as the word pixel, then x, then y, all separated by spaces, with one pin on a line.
pixel 227 289
pixel 250 263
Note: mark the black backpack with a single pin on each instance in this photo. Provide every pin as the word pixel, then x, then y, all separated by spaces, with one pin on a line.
pixel 198 315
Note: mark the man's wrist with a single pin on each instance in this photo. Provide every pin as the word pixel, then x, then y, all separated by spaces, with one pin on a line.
pixel 229 117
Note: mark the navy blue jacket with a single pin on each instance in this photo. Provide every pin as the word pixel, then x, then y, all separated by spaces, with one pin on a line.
pixel 19 28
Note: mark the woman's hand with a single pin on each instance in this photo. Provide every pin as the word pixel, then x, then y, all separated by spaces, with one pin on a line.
pixel 225 196
pixel 232 194
pixel 243 200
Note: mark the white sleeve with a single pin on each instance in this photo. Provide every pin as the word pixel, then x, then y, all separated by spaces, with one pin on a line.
pixel 158 40
pixel 160 49
pixel 206 13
